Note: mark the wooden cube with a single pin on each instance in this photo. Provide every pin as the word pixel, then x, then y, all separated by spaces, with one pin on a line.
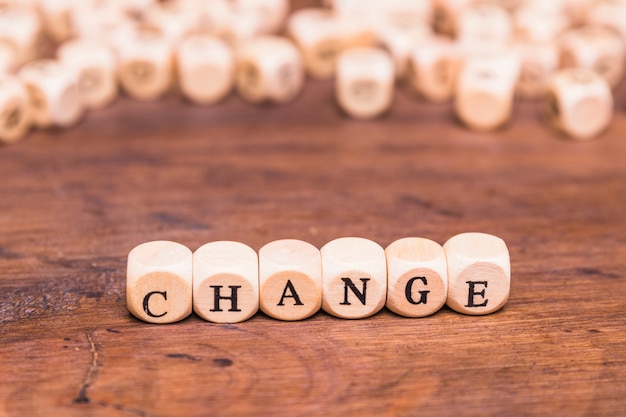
pixel 159 282
pixel 14 111
pixel 95 66
pixel 607 13
pixel 173 20
pixel 596 48
pixel 206 67
pixel 417 277
pixel 225 282
pixel 537 22
pixel 269 68
pixel 485 90
pixel 53 93
pixel 20 29
pixel 485 26
pixel 539 61
pixel 146 62
pixel 96 20
pixel 56 17
pixel 318 33
pixel 406 13
pixel 479 273
pixel 580 103
pixel 354 277
pixel 290 277
pixel 446 15
pixel 433 69
pixel 400 41
pixel 272 13
pixel 365 82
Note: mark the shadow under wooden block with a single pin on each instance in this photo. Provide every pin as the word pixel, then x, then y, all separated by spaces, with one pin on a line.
pixel 354 277
pixel 290 277
pixel 479 273
pixel 159 282
pixel 417 277
pixel 225 282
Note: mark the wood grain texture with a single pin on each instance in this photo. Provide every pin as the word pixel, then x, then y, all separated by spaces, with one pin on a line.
pixel 74 202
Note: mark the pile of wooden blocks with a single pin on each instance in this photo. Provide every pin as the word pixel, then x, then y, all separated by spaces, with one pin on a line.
pixel 478 53
pixel 351 278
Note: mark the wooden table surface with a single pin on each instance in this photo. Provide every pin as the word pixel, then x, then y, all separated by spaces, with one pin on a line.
pixel 74 202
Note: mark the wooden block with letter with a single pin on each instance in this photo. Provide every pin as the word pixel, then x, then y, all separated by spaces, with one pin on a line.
pixel 225 282
pixel 159 282
pixel 14 111
pixel 417 277
pixel 269 68
pixel 206 68
pixel 365 82
pixel 53 93
pixel 485 90
pixel 580 103
pixel 290 279
pixel 95 66
pixel 479 273
pixel 354 277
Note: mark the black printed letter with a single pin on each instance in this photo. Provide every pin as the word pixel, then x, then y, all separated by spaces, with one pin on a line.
pixel 423 294
pixel 360 295
pixel 472 292
pixel 146 301
pixel 292 294
pixel 217 297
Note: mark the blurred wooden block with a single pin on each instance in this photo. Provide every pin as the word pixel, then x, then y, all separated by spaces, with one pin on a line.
pixel 269 68
pixel 539 61
pixel 318 34
pixel 400 41
pixel 354 277
pixel 434 68
pixel 21 29
pixel 56 17
pixel 53 93
pixel 14 111
pixel 479 273
pixel 159 282
pixel 537 22
pixel 417 277
pixel 96 20
pixel 272 13
pixel 485 90
pixel 145 63
pixel 484 26
pixel 95 66
pixel 365 82
pixel 446 15
pixel 290 277
pixel 580 103
pixel 596 48
pixel 407 13
pixel 225 282
pixel 606 13
pixel 205 67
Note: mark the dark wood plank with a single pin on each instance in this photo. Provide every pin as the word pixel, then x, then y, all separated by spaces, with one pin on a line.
pixel 75 202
